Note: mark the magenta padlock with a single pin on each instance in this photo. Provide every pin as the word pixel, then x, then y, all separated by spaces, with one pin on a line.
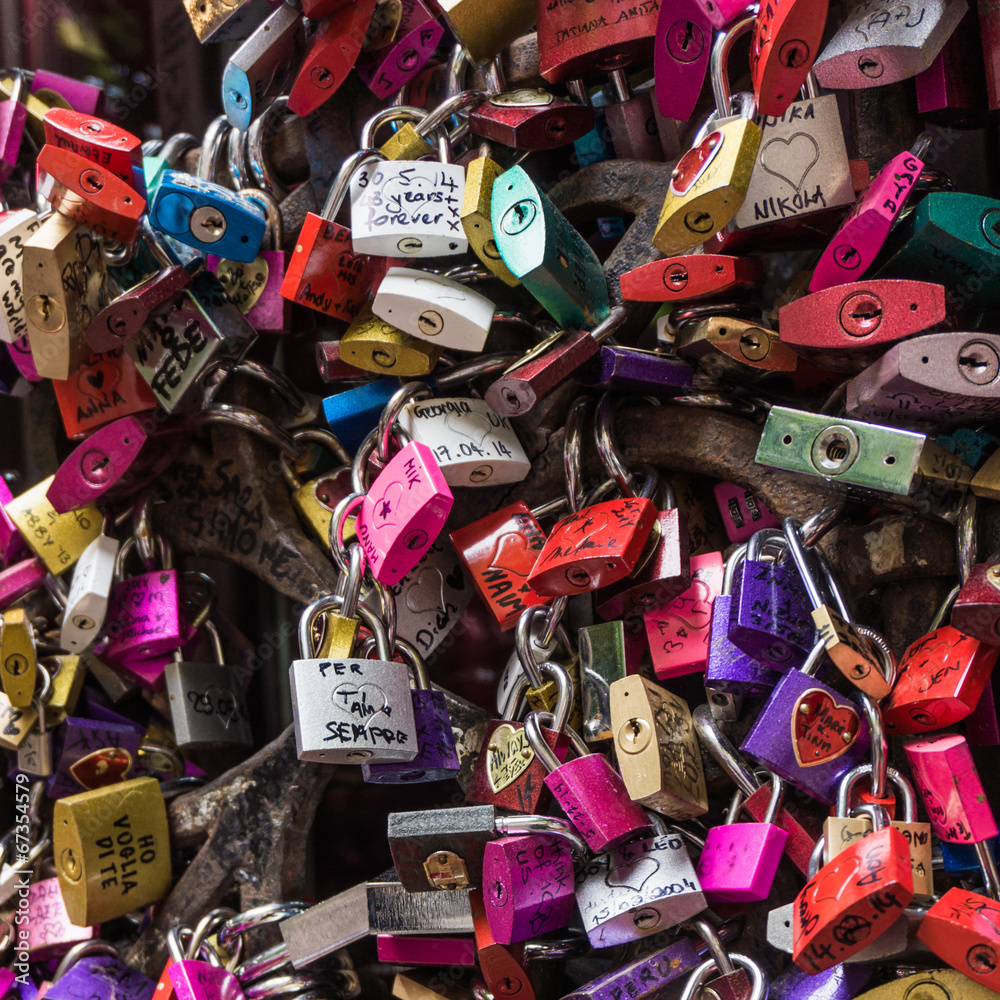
pixel 528 886
pixel 719 13
pixel 742 512
pixel 388 69
pixel 193 979
pixel 146 672
pixel 861 236
pixel 426 949
pixel 20 354
pixel 589 790
pixel 403 512
pixel 80 96
pixel 12 543
pixel 49 930
pixel 739 860
pixel 13 117
pixel 680 57
pixel 20 579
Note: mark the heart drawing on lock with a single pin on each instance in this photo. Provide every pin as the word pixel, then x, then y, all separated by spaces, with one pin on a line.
pixel 633 874
pixel 822 730
pixel 225 704
pixel 360 701
pixel 474 426
pixel 426 592
pixel 790 158
pixel 386 510
pixel 511 553
pixel 97 378
pixel 510 755
pixel 586 528
pixel 693 164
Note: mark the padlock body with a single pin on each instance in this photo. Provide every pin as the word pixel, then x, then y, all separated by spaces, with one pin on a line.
pixel 104 978
pixel 197 980
pixel 15 229
pixel 961 929
pixel 255 288
pixel 740 860
pixel 729 669
pixel 743 513
pixel 207 705
pixel 144 616
pixel 50 933
pixel 19 579
pixel 680 57
pixel 974 611
pixel 374 345
pixel 387 69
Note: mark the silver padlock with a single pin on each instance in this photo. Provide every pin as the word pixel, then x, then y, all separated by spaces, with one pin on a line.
pixel 34 755
pixel 434 308
pixel 348 711
pixel 207 702
pixel 87 603
pixel 393 910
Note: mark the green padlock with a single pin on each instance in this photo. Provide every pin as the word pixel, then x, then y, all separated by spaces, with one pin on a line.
pixel 550 257
pixel 952 239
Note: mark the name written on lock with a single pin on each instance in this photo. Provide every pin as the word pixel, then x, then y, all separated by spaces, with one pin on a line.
pixel 359 700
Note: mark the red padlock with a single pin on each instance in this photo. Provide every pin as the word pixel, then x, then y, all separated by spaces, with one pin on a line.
pixel 530 119
pixel 786 39
pixel 691 277
pixel 99 141
pixel 963 929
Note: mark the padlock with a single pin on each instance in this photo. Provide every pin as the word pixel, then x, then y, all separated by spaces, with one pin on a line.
pixel 631 120
pixel 403 512
pixel 315 501
pixel 352 413
pixel 18 664
pixel 590 792
pixel 324 273
pixel 391 909
pixel 861 236
pixel 437 758
pixel 953 89
pixel 386 69
pixel 330 56
pixel 637 890
pixel 642 978
pixel 847 327
pixel 546 253
pixel 739 860
pixel 710 181
pixel 874 47
pixel 691 277
pixel 436 950
pixel 104 977
pixel 112 850
pixel 839 982
pixel 195 979
pixel 260 68
pixel 678 633
pixel 409 209
pixel 786 40
pixel 13 118
pixel 68 674
pixel 744 979
pixel 477 216
pixel 15 723
pixel 374 345
pixel 528 886
pixel 974 614
pixel 497 553
pixel 87 98
pixel 62 270
pixel 680 57
pixel 15 229
pixel 725 347
pixel 531 119
pixel 338 702
pixel 484 37
pixel 87 603
pixel 19 579
pixel 94 754
pixel 102 142
pixel 839 831
pixel 50 932
pixel 854 899
pixel 502 965
pixel 19 353
pixel 57 539
pixel 593 547
pixel 657 748
pixel 207 217
pixel 471 444
pixel 630 369
pixel 224 21
pixel 743 512
pixel 961 929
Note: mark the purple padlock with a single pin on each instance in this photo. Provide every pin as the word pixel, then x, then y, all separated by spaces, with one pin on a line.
pixel 770 615
pixel 93 754
pixel 840 982
pixel 645 978
pixel 100 977
pixel 387 69
pixel 528 886
pixel 80 96
pixel 630 369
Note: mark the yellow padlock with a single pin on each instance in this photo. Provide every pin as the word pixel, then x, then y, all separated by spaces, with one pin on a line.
pixel 376 346
pixel 477 220
pixel 316 500
pixel 18 667
pixel 15 723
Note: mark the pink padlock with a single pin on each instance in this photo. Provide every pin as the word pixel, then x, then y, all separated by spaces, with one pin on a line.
pixel 20 579
pixel 12 543
pixel 193 979
pixel 403 512
pixel 861 236
pixel 680 57
pixel 13 117
pixel 20 354
pixel 387 69
pixel 722 12
pixel 589 790
pixel 80 96
pixel 50 931
pixel 146 672
pixel 739 860
pixel 743 513
pixel 426 949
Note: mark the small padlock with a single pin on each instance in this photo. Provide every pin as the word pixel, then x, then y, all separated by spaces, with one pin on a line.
pixel 530 119
pixel 690 277
pixel 216 21
pixel 315 501
pixel 15 229
pixel 477 214
pixel 961 928
pixel 743 512
pixel 18 664
pixel 374 345
pixel 100 141
pixel 502 965
pixel 747 980
pixel 103 977
pixel 680 57
pixel 386 69
pixel 786 40
pixel 644 978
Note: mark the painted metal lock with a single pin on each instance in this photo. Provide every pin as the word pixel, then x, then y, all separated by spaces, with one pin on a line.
pixel 50 932
pixel 502 965
pixel 403 512
pixel 62 270
pixel 402 208
pixel 112 850
pixel 657 748
pixel 434 308
pixel 386 69
pixel 643 978
pixel 961 929
pixel 976 611
pixel 863 233
pixel 95 754
pixel 145 616
pixel 192 979
pixel 937 381
pixel 530 119
pixel 593 547
pixel 589 790
pixel 630 369
pixel 477 216
pixel 470 443
pixel 19 579
pixel 426 949
pixel 57 539
pixel 351 414
pixel 374 345
pixel 351 710
pixel 498 552
pixel 876 46
pixel 638 889
pixel 787 36
pixel 719 13
pixel 546 253
pixel 951 90
pixel 678 633
pixel 680 57
pixel 13 118
pixel 331 54
pixel 208 217
pixel 847 327
pixel 743 512
pixel 12 545
pixel 15 229
pixel 104 978
pixel 528 886
pixel 18 665
pixel 724 347
pixel 691 277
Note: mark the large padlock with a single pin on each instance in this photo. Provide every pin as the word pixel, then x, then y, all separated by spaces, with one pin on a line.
pixel 786 40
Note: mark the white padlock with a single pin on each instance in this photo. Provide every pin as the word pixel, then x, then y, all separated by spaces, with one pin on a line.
pixel 15 229
pixel 435 309
pixel 87 603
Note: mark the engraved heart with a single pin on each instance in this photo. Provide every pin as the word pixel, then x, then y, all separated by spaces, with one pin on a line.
pixel 511 553
pixel 360 701
pixel 386 510
pixel 426 592
pixel 244 283
pixel 822 730
pixel 633 875
pixel 96 378
pixel 693 164
pixel 790 158
pixel 510 755
pixel 106 766
pixel 474 426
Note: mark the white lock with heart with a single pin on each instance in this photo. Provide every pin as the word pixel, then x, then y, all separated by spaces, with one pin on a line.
pixel 87 603
pixel 435 309
pixel 472 445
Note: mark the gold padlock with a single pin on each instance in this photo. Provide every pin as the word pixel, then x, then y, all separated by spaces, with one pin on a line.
pixel 316 500
pixel 68 672
pixel 657 747
pixel 18 667
pixel 476 218
pixel 339 636
pixel 112 850
pixel 376 346
pixel 15 723
pixel 406 143
pixel 57 539
pixel 63 271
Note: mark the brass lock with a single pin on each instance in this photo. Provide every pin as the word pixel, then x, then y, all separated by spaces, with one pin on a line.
pixel 376 346
pixel 316 500
pixel 446 870
pixel 18 667
pixel 477 218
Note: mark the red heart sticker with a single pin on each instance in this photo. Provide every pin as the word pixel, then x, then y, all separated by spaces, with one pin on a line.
pixel 821 729
pixel 694 163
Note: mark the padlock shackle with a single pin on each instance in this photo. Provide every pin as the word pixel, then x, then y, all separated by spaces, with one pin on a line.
pixel 723 750
pixel 700 976
pixel 393 113
pixel 248 420
pixel 410 392
pixel 342 184
pixel 732 564
pixel 576 417
pixel 607 446
pixel 849 782
pixel 792 529
pixel 554 826
pixel 719 70
pixel 334 602
pixel 211 148
pixel 713 943
pixel 523 639
pixel 879 745
pixel 272 210
pixel 83 950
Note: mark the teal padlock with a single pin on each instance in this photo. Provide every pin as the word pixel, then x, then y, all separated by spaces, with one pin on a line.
pixel 541 248
pixel 953 239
